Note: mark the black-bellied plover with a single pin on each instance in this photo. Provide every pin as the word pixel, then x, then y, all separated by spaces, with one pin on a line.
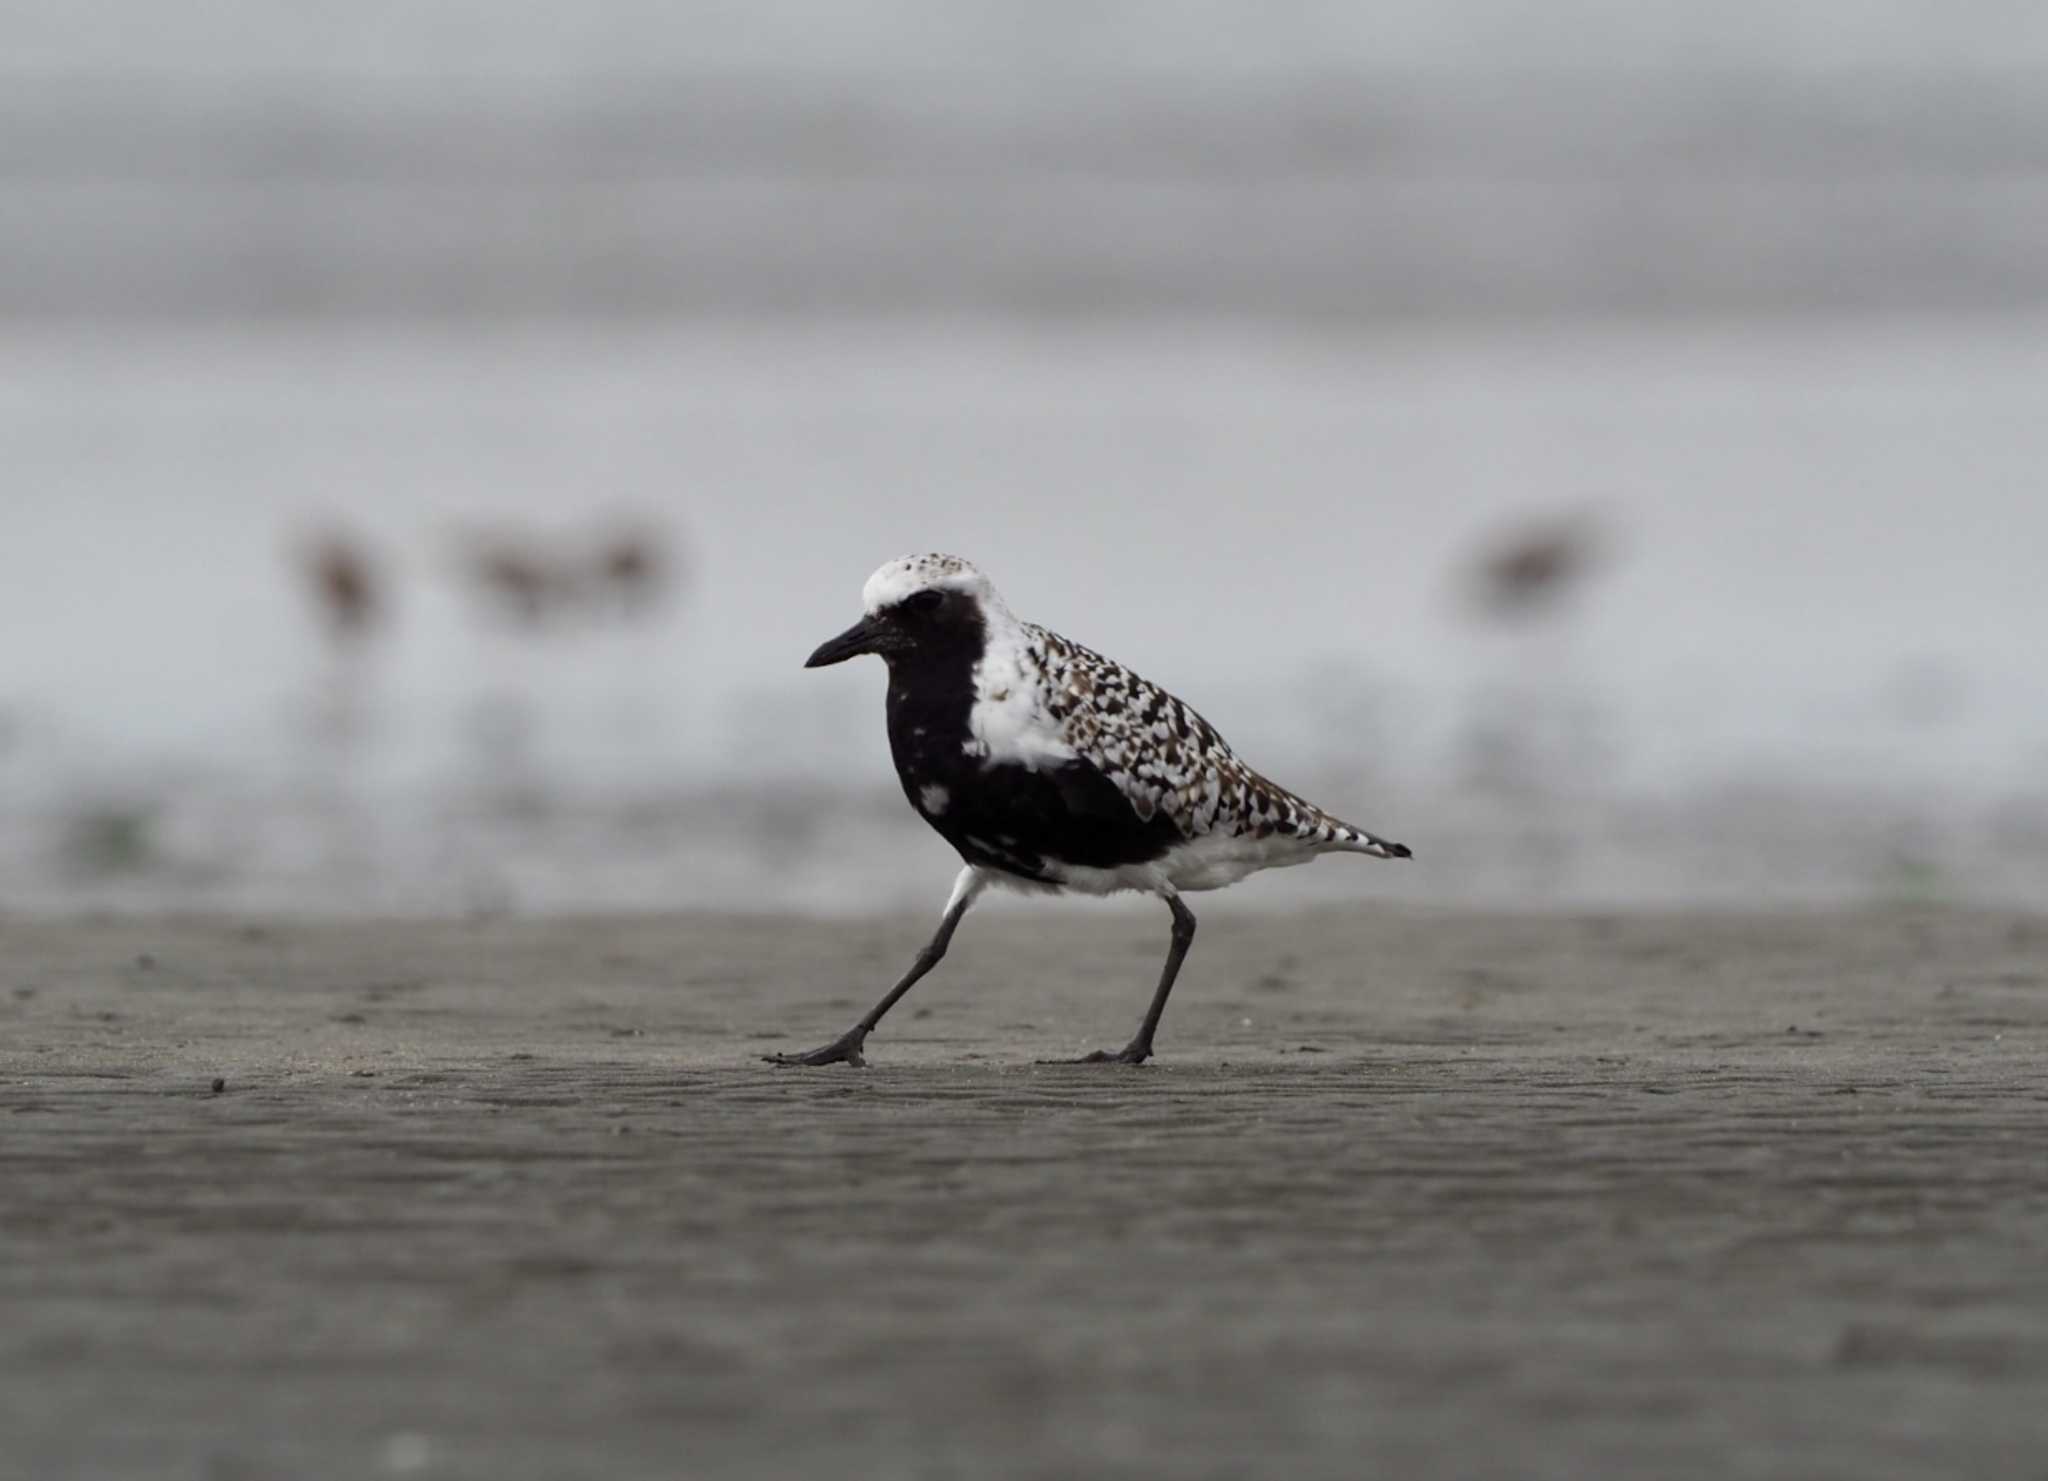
pixel 1050 767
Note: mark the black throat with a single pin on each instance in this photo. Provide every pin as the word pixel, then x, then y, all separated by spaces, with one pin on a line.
pixel 931 695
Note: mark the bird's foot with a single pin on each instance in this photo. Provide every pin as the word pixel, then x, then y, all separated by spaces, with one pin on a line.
pixel 843 1050
pixel 1132 1053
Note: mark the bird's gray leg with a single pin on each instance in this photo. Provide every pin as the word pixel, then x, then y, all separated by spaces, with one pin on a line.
pixel 1140 1048
pixel 846 1048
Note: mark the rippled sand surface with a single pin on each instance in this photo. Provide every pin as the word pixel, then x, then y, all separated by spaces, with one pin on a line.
pixel 1406 1194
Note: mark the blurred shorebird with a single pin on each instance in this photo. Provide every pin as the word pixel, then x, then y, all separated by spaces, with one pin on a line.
pixel 344 584
pixel 519 576
pixel 534 580
pixel 633 571
pixel 1049 767
pixel 1531 569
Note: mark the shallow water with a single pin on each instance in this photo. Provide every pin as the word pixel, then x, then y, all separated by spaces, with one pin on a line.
pixel 1804 662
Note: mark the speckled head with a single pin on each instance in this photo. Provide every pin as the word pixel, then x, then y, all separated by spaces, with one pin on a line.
pixel 908 575
pixel 933 607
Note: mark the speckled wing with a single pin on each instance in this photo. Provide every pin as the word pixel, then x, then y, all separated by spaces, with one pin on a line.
pixel 1166 758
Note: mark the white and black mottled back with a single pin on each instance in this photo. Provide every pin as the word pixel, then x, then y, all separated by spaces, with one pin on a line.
pixel 1164 756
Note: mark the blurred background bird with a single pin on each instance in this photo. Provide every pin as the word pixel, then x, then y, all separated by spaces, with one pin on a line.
pixel 1535 565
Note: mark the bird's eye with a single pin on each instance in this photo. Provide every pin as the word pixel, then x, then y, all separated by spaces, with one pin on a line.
pixel 923 601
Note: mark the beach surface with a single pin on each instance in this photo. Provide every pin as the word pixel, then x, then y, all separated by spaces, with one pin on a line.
pixel 1405 1194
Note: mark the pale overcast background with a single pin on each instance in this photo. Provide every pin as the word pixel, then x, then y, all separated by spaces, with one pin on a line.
pixel 1240 341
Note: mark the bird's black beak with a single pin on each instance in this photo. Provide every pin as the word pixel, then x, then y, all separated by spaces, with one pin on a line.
pixel 856 640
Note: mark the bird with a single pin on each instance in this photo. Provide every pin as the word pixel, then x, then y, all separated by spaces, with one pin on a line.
pixel 1050 768
pixel 345 586
pixel 522 576
pixel 1532 569
pixel 633 569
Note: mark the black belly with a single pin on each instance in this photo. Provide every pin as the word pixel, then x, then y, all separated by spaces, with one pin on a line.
pixel 1006 816
pixel 1019 820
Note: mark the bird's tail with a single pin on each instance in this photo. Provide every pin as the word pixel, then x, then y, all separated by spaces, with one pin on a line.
pixel 1351 839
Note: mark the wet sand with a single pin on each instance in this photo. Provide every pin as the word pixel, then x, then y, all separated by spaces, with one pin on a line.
pixel 1405 1194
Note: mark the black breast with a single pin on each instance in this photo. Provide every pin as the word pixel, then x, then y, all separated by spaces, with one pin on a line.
pixel 1004 816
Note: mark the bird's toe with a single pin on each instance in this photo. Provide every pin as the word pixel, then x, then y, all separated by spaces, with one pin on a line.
pixel 839 1051
pixel 1129 1054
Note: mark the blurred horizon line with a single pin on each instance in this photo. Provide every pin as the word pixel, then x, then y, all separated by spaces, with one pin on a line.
pixel 1724 194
